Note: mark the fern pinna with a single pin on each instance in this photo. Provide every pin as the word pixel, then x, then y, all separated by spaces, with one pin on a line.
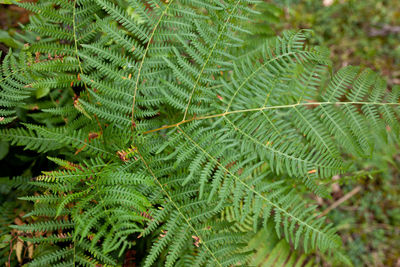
pixel 162 122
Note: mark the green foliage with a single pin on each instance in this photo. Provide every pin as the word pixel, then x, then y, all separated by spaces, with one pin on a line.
pixel 7 2
pixel 162 117
pixel 274 252
pixel 366 33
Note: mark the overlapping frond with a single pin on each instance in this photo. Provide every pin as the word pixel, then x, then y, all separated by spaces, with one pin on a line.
pixel 163 121
pixel 69 196
pixel 264 118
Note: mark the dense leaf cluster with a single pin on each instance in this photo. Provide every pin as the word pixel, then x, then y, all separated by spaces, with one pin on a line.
pixel 165 119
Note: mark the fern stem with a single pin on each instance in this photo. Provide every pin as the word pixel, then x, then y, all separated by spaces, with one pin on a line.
pixel 265 108
pixel 276 206
pixel 75 38
pixel 255 72
pixel 12 73
pixel 268 147
pixel 79 60
pixel 208 58
pixel 177 207
pixel 142 61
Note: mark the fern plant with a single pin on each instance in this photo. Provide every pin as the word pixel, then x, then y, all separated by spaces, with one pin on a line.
pixel 162 121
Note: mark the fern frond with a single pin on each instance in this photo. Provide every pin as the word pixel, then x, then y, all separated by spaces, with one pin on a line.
pixel 168 128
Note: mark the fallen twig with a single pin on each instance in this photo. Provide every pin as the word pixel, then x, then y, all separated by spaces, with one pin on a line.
pixel 341 200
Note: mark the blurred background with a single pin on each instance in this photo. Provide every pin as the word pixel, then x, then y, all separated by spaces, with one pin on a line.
pixel 365 204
